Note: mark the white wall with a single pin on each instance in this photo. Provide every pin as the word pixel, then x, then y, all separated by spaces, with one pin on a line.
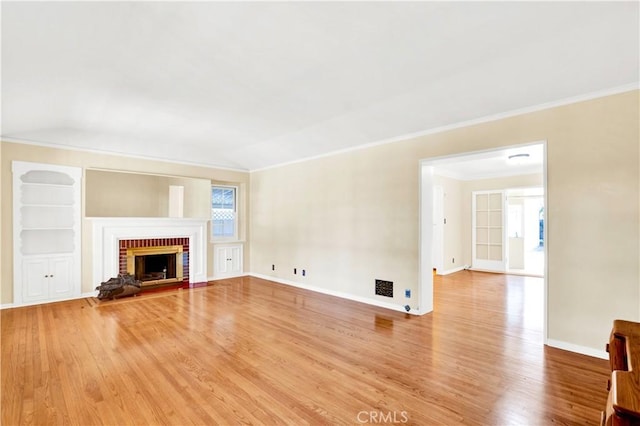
pixel 354 217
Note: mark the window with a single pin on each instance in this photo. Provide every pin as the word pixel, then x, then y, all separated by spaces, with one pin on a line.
pixel 224 218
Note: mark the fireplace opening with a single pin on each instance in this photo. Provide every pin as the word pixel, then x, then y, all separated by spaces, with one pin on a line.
pixel 156 265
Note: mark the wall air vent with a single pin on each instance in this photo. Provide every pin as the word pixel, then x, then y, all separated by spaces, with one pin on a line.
pixel 384 288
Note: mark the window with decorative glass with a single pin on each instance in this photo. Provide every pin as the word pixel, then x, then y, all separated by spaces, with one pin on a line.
pixel 224 216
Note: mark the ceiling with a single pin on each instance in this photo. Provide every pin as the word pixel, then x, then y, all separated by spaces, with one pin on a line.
pixel 514 161
pixel 246 85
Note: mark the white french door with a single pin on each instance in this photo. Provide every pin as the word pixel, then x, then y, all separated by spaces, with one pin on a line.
pixel 488 231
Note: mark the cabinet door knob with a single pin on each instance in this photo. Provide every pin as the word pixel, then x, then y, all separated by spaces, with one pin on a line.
pixel 46 276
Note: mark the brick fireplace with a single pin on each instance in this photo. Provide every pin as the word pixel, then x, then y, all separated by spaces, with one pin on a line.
pixel 112 237
pixel 167 260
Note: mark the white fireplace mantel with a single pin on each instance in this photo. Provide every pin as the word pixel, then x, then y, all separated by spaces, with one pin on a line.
pixel 108 231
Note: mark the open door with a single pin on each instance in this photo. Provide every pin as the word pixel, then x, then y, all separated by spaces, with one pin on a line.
pixel 438 228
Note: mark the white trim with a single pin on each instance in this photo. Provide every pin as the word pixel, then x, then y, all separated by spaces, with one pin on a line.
pixel 461 124
pixel 451 271
pixel 236 228
pixel 107 231
pixel 340 294
pixel 46 302
pixel 425 237
pixel 242 274
pixel 545 239
pixel 486 119
pixel 523 273
pixel 584 350
pixel 118 153
pixel 425 172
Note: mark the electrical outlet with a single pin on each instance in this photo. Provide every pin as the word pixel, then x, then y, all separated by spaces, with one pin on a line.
pixel 453 260
pixel 407 293
pixel 295 271
pixel 304 272
pixel 273 267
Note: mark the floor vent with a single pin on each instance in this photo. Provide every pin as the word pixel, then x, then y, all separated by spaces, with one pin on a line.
pixel 384 288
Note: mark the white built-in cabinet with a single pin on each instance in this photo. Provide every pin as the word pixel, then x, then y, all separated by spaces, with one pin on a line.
pixel 227 260
pixel 46 232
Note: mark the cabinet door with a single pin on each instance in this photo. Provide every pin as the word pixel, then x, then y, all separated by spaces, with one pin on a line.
pixel 60 277
pixel 228 260
pixel 222 261
pixel 235 254
pixel 35 279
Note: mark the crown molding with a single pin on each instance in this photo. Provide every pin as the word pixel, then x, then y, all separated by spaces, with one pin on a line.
pixel 117 153
pixel 486 119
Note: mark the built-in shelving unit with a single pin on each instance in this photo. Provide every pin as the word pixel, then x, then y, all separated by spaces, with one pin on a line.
pixel 46 238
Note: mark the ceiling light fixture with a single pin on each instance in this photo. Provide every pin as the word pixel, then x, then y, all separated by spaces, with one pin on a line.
pixel 519 157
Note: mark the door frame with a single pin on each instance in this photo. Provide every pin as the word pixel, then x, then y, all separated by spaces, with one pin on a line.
pixel 426 193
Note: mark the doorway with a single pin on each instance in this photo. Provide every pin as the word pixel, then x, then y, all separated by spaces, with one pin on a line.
pixel 525 231
pixel 470 171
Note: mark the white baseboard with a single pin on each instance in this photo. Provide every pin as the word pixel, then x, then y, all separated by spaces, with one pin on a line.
pixel 491 271
pixel 226 277
pixel 82 296
pixel 88 294
pixel 450 271
pixel 578 349
pixel 340 294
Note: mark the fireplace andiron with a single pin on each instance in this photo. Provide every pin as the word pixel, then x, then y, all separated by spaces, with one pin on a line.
pixel 121 286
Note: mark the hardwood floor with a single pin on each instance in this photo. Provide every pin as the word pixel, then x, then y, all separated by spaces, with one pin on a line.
pixel 251 351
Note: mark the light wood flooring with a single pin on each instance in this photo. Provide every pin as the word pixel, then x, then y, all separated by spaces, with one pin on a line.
pixel 250 351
